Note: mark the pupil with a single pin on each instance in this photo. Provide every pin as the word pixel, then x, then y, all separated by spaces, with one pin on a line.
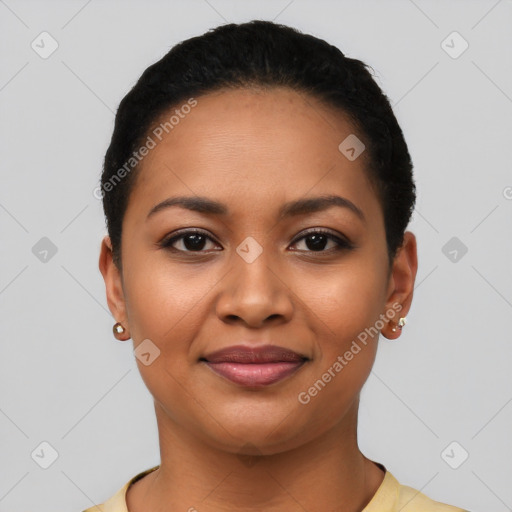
pixel 318 242
pixel 194 242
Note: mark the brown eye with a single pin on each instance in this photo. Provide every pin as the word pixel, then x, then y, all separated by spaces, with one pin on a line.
pixel 187 241
pixel 317 240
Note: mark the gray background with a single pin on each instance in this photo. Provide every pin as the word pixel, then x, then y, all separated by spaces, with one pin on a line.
pixel 65 380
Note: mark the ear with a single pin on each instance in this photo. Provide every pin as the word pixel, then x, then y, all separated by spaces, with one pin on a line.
pixel 114 286
pixel 401 284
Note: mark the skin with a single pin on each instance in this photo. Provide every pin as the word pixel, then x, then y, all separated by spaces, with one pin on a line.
pixel 255 150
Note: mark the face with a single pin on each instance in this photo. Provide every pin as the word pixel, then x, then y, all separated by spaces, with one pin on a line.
pixel 270 266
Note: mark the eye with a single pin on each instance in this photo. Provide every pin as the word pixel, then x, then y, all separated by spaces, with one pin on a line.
pixel 317 239
pixel 195 240
pixel 189 241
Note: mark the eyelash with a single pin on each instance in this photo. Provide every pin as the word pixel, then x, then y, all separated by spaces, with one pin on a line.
pixel 342 244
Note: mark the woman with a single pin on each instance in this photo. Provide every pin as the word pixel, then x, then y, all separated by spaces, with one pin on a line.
pixel 257 189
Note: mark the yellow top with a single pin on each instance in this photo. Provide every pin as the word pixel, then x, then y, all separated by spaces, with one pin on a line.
pixel 391 496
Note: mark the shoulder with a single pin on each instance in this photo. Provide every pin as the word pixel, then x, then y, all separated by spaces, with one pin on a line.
pixel 412 500
pixel 392 496
pixel 117 502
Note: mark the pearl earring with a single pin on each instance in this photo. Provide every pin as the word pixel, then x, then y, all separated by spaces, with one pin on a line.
pixel 118 329
pixel 401 323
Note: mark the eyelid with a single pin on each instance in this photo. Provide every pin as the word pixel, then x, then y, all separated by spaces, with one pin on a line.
pixel 176 235
pixel 341 241
pixel 323 231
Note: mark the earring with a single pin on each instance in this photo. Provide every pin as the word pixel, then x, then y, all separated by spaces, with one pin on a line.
pixel 118 329
pixel 401 323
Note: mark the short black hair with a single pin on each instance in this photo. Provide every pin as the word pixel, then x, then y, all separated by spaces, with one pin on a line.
pixel 262 54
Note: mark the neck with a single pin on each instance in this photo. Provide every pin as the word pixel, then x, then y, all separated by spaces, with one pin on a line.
pixel 326 473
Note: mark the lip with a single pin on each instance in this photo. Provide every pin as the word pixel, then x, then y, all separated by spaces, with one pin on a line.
pixel 254 366
pixel 261 354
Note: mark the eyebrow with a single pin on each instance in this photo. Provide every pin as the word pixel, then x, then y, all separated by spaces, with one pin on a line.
pixel 290 209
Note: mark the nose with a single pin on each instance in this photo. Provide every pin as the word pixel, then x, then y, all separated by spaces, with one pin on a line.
pixel 254 293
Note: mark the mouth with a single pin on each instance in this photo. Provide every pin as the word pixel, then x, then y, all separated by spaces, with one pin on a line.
pixel 254 366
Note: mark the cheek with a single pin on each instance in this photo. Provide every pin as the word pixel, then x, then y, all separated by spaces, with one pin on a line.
pixel 164 301
pixel 344 314
pixel 345 302
pixel 165 304
pixel 168 304
pixel 345 310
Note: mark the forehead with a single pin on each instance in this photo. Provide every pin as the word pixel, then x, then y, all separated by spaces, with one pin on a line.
pixel 276 121
pixel 250 147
